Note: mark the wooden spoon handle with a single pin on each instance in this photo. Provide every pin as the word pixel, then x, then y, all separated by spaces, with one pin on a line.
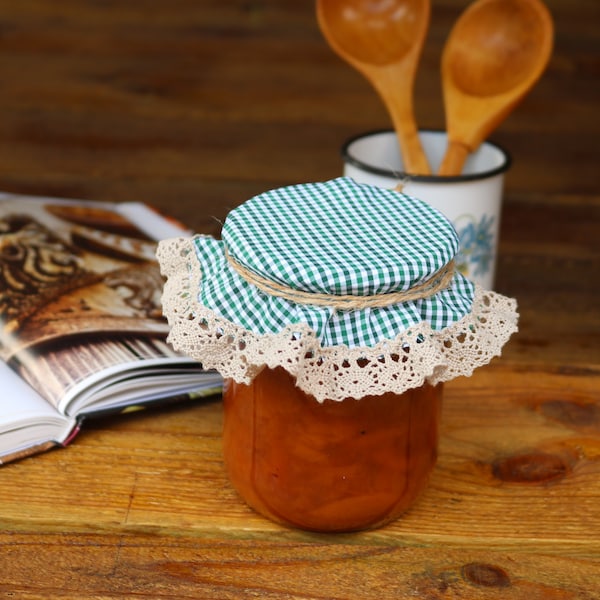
pixel 394 86
pixel 413 156
pixel 454 159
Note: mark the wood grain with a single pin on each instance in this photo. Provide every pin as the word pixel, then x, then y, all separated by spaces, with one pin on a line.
pixel 125 566
pixel 515 493
pixel 195 107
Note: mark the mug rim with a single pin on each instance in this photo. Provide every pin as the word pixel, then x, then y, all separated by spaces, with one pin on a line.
pixel 348 158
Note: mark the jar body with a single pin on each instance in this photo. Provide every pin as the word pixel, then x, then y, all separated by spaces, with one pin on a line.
pixel 332 466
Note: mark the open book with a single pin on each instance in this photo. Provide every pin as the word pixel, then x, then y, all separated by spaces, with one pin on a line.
pixel 81 327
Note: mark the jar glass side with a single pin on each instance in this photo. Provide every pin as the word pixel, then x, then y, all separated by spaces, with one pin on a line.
pixel 331 466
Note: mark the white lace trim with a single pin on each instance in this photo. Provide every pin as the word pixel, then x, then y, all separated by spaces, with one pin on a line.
pixel 417 355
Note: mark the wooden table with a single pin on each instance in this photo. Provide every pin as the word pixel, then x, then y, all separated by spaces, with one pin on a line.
pixel 196 106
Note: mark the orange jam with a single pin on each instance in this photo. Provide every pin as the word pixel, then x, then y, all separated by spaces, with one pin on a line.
pixel 331 466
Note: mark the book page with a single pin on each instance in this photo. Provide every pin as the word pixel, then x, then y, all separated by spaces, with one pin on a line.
pixel 75 373
pixel 27 418
pixel 80 291
pixel 73 269
pixel 153 224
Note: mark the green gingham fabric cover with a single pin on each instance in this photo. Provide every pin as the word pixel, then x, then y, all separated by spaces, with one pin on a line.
pixel 335 237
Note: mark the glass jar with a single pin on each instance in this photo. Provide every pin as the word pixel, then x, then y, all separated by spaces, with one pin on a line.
pixel 328 466
pixel 353 289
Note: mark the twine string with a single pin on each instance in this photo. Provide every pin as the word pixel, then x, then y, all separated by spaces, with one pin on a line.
pixel 436 283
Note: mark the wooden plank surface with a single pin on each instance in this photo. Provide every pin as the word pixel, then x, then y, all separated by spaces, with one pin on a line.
pixel 511 451
pixel 515 493
pixel 124 566
pixel 196 106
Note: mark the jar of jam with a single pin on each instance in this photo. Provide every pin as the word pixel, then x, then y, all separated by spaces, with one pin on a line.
pixel 331 466
pixel 334 313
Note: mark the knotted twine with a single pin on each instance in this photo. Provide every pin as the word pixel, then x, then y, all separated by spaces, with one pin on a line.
pixel 439 281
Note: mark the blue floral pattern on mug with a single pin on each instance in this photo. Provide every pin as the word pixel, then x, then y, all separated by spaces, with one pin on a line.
pixel 476 244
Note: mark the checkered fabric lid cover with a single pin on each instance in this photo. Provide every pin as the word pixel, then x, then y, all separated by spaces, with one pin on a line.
pixel 337 238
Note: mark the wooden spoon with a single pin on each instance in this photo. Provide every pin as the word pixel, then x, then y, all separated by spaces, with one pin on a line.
pixel 383 40
pixel 495 53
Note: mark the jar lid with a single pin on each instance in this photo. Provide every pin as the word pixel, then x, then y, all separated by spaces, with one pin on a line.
pixel 339 238
pixel 309 271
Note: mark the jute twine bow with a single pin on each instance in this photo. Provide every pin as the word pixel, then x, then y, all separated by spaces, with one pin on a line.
pixel 436 283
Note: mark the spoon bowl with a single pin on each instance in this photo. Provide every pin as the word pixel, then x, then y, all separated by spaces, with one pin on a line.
pixel 495 53
pixel 383 40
